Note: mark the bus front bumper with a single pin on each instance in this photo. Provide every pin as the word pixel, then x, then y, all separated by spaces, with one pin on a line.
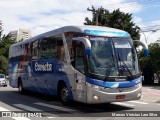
pixel 96 94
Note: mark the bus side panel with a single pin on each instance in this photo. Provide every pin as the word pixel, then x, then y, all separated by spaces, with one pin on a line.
pixel 42 76
pixel 13 74
pixel 63 72
pixel 26 77
pixel 46 80
pixel 75 83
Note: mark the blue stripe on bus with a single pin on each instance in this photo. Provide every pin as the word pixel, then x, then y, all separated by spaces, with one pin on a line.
pixel 125 84
pixel 35 80
pixel 106 33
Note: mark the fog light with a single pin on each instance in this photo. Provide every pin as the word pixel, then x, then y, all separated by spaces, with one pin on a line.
pixel 139 94
pixel 96 97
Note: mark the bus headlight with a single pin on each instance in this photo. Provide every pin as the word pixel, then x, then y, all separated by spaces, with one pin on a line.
pixel 96 97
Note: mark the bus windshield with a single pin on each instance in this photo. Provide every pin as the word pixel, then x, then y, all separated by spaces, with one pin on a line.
pixel 112 57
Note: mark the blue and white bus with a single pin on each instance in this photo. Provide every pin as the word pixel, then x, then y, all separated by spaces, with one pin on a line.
pixel 89 64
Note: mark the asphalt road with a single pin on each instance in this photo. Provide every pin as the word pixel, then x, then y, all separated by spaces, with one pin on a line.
pixel 49 107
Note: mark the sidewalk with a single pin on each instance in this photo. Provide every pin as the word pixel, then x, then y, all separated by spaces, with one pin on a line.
pixel 151 93
pixel 153 86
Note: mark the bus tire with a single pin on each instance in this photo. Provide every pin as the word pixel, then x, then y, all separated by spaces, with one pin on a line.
pixel 20 87
pixel 63 94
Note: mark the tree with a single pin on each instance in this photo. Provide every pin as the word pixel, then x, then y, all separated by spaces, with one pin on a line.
pixel 5 43
pixel 3 64
pixel 153 61
pixel 115 19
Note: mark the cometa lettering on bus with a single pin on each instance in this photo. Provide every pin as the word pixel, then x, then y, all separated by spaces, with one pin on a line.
pixel 43 67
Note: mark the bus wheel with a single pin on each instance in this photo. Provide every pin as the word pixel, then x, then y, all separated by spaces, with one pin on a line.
pixel 20 87
pixel 63 94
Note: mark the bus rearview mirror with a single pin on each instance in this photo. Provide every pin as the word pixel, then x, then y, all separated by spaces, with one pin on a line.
pixel 146 52
pixel 145 46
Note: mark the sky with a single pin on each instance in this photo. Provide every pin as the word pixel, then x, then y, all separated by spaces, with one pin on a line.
pixel 44 15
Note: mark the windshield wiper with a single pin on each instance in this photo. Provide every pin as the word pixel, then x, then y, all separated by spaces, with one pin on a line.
pixel 124 65
pixel 106 76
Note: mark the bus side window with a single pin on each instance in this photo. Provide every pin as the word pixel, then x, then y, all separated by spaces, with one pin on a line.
pixel 52 51
pixel 44 49
pixel 47 48
pixel 30 50
pixel 71 52
pixel 60 50
pixel 79 61
pixel 70 48
pixel 27 52
pixel 34 50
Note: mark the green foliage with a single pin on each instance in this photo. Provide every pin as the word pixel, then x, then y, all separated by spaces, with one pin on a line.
pixel 115 19
pixel 3 64
pixel 5 42
pixel 154 57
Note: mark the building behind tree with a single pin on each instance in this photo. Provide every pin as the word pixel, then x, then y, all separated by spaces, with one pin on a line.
pixel 1 26
pixel 20 35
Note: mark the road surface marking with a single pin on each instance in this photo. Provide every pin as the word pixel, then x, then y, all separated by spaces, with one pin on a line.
pixel 138 102
pixel 56 107
pixel 20 118
pixel 124 104
pixel 51 117
pixel 28 108
pixel 3 109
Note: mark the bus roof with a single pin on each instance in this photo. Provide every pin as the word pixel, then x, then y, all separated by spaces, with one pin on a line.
pixel 87 29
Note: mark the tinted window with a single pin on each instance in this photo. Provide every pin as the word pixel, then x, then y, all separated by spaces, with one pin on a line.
pixel 47 48
pixel 79 63
pixel 51 48
pixel 2 76
pixel 35 50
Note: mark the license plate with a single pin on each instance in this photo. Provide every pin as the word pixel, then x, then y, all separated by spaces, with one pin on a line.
pixel 120 97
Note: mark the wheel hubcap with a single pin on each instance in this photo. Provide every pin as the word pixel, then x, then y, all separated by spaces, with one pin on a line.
pixel 64 94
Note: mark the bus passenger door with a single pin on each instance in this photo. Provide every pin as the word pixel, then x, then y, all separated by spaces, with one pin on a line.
pixel 79 74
